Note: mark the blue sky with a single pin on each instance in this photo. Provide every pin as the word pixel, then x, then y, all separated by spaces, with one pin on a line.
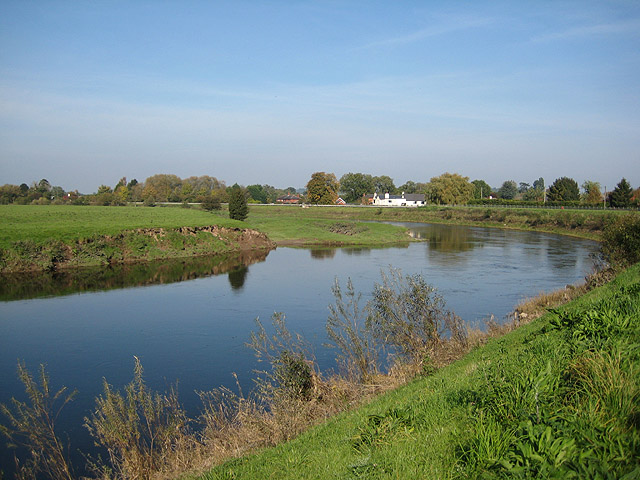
pixel 270 92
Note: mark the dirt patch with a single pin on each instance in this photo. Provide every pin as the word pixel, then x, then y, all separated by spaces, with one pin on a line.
pixel 347 228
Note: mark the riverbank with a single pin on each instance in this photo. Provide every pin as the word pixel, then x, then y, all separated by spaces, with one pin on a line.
pixel 44 238
pixel 41 238
pixel 553 398
pixel 587 224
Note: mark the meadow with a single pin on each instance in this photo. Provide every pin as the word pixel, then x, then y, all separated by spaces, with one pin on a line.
pixel 41 223
pixel 37 238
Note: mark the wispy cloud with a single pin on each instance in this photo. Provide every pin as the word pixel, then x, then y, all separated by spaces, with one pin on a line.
pixel 449 26
pixel 624 27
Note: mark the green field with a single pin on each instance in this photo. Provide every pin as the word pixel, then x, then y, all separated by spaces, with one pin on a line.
pixel 37 238
pixel 558 398
pixel 69 223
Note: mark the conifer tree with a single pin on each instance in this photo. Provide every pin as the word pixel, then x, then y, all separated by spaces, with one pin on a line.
pixel 238 208
pixel 620 197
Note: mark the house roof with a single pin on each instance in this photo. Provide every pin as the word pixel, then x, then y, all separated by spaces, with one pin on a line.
pixel 414 197
pixel 289 197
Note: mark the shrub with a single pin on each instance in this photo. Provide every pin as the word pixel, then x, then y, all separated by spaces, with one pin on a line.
pixel 621 241
pixel 346 328
pixel 209 203
pixel 408 316
pixel 291 375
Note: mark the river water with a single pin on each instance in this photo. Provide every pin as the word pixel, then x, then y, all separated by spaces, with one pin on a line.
pixel 189 321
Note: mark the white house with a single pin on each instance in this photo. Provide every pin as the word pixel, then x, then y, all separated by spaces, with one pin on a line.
pixel 404 200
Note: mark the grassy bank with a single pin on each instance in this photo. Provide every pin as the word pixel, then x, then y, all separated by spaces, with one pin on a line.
pixel 557 398
pixel 38 238
pixel 581 223
pixel 41 238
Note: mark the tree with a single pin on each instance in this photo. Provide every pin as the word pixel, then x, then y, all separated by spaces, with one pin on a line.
pixel 408 187
pixel 164 186
pixel 508 190
pixel 384 184
pixel 257 193
pixel 449 188
pixel 238 208
pixel 57 192
pixel 536 192
pixel 322 189
pixel 8 193
pixel 592 193
pixel 523 187
pixel 620 197
pixel 539 184
pixel 564 189
pixel 44 187
pixel 354 185
pixel 481 189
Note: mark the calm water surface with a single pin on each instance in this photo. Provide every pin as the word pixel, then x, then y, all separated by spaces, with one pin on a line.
pixel 195 330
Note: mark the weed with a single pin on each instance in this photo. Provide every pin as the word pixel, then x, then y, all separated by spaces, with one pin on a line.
pixel 140 429
pixel 33 425
pixel 383 429
pixel 346 328
pixel 408 316
pixel 291 375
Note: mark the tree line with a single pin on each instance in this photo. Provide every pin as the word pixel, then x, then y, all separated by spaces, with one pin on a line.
pixel 155 189
pixel 325 188
pixel 455 189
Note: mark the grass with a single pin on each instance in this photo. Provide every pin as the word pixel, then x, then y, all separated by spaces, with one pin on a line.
pixel 41 223
pixel 556 398
pixel 581 223
pixel 53 238
pixel 71 223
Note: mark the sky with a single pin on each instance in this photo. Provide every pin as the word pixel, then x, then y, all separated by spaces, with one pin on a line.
pixel 270 92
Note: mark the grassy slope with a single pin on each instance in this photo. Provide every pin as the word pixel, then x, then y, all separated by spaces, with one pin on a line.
pixel 68 223
pixel 533 396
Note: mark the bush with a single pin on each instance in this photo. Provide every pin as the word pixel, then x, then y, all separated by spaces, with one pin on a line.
pixel 621 241
pixel 408 316
pixel 210 203
pixel 291 376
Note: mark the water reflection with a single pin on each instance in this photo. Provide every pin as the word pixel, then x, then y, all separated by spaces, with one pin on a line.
pixel 237 277
pixel 446 239
pixel 24 286
pixel 322 253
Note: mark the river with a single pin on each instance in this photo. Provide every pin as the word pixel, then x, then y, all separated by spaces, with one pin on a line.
pixel 189 321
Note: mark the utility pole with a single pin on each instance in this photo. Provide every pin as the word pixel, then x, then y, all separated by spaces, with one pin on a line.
pixel 604 199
